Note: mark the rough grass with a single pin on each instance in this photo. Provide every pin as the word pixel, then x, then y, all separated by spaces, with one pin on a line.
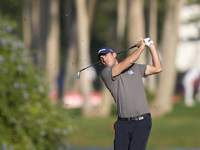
pixel 180 128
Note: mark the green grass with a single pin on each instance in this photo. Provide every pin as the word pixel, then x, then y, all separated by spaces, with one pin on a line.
pixel 92 132
pixel 180 128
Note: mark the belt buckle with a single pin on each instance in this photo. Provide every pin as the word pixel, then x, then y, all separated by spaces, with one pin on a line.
pixel 140 118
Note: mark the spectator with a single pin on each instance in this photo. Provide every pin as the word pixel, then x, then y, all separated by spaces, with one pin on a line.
pixel 191 86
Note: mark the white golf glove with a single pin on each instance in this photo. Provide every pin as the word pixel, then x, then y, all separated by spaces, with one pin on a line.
pixel 148 41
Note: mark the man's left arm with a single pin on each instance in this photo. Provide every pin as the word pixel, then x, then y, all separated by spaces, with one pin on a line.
pixel 156 66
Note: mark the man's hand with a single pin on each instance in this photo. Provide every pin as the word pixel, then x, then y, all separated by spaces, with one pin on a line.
pixel 148 41
pixel 140 43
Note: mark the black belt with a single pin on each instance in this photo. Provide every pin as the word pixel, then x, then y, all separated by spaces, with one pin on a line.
pixel 136 118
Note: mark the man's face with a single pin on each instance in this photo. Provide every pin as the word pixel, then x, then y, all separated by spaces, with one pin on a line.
pixel 108 59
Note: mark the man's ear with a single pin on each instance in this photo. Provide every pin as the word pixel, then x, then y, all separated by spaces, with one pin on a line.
pixel 115 55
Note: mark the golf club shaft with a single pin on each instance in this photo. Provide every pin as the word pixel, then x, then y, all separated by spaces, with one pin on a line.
pixel 126 49
pixel 78 74
pixel 90 65
pixel 100 61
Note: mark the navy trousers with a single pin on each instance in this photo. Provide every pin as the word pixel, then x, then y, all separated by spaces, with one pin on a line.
pixel 132 135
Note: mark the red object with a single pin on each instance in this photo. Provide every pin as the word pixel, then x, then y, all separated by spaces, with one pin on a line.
pixel 76 100
pixel 73 100
pixel 54 95
pixel 95 98
pixel 176 99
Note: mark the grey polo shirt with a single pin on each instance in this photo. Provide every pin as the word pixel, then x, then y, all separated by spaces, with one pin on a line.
pixel 127 90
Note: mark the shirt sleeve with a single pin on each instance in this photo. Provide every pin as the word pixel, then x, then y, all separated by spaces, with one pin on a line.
pixel 106 75
pixel 142 69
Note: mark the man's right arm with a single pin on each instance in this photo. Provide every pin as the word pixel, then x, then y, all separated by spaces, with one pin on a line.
pixel 128 61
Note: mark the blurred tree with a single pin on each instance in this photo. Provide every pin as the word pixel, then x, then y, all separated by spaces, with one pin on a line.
pixel 35 22
pixel 43 32
pixel 53 46
pixel 27 24
pixel 71 59
pixel 70 47
pixel 163 100
pixel 70 83
pixel 136 25
pixel 121 22
pixel 84 54
pixel 152 33
pixel 91 6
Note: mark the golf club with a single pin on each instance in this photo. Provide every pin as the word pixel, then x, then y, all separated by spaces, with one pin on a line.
pixel 79 72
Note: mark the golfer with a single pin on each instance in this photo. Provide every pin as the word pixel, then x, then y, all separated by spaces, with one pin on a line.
pixel 124 81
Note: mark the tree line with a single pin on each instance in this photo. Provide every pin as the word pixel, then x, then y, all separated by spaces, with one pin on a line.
pixel 64 36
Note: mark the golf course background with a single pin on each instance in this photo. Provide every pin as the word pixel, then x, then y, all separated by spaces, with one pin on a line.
pixel 180 128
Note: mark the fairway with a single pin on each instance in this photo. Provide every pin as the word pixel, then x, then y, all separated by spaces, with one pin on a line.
pixel 179 129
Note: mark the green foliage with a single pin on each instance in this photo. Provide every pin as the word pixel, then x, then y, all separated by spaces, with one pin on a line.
pixel 12 9
pixel 28 119
pixel 150 96
pixel 178 129
pixel 192 2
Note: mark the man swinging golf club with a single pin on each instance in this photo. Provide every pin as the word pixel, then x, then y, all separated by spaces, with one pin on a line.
pixel 124 81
